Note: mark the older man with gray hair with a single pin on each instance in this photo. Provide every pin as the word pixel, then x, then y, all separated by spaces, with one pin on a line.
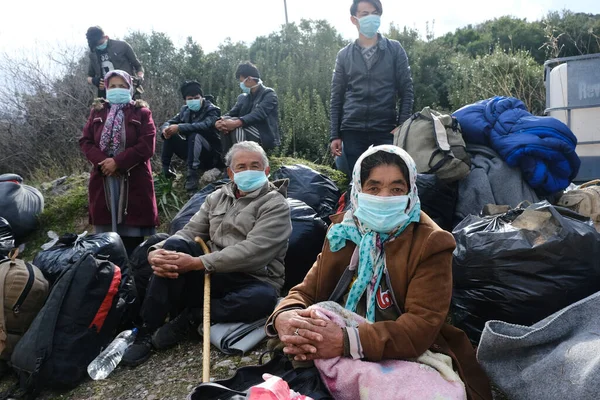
pixel 247 225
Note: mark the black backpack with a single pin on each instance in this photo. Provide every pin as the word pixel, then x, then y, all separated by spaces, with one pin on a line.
pixel 79 318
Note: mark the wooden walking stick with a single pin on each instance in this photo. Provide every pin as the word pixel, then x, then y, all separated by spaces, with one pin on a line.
pixel 206 318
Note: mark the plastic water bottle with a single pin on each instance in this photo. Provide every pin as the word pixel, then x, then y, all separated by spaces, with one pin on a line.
pixel 108 360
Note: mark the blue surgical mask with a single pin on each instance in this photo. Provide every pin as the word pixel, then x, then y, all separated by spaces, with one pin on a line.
pixel 194 104
pixel 250 180
pixel 102 46
pixel 118 96
pixel 369 25
pixel 381 214
pixel 245 88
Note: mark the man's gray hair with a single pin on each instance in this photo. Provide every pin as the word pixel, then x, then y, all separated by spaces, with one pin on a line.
pixel 246 146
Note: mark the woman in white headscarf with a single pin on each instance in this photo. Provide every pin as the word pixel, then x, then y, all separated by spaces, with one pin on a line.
pixel 387 263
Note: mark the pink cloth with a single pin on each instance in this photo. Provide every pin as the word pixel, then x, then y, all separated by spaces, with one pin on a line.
pixel 273 388
pixel 349 379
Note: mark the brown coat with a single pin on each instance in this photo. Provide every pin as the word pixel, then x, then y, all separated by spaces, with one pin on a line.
pixel 419 264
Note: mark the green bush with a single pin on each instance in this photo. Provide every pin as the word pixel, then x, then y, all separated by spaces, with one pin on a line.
pixel 510 73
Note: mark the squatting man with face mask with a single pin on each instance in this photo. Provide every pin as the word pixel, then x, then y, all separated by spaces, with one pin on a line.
pixel 247 225
pixel 192 135
pixel 371 89
pixel 255 114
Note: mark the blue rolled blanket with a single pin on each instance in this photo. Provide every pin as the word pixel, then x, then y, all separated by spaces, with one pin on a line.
pixel 542 147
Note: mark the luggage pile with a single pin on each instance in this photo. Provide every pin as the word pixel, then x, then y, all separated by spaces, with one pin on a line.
pixel 527 256
pixel 58 312
pixel 513 262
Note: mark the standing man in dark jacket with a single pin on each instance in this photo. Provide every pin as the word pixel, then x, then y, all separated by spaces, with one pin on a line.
pixel 255 115
pixel 371 77
pixel 106 55
pixel 192 135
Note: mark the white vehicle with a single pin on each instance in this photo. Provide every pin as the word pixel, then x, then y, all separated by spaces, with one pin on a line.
pixel 573 96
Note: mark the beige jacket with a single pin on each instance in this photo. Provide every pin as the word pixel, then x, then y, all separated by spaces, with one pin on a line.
pixel 249 234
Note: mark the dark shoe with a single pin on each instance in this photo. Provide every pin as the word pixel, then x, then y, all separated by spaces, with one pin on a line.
pixel 169 173
pixel 139 352
pixel 174 331
pixel 191 181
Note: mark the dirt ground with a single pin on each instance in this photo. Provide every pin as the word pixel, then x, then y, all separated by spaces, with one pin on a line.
pixel 167 375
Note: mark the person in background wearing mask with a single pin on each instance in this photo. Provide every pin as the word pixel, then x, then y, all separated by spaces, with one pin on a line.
pixel 118 140
pixel 371 77
pixel 247 223
pixel 255 115
pixel 387 264
pixel 107 55
pixel 192 135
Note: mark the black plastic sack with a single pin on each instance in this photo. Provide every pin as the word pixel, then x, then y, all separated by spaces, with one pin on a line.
pixel 438 199
pixel 306 242
pixel 7 240
pixel 521 266
pixel 193 205
pixel 311 187
pixel 20 205
pixel 56 259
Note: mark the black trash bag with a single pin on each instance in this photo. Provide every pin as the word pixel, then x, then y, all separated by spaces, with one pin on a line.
pixel 20 205
pixel 522 266
pixel 438 199
pixel 108 245
pixel 7 240
pixel 193 205
pixel 141 269
pixel 305 244
pixel 311 187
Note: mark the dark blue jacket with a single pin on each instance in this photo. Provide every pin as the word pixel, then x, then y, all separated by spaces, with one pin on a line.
pixel 201 122
pixel 260 110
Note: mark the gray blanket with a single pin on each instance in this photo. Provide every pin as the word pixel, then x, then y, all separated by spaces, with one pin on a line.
pixel 491 181
pixel 236 337
pixel 556 358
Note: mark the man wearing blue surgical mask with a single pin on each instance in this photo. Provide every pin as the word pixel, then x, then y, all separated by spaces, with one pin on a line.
pixel 371 89
pixel 255 114
pixel 107 55
pixel 247 223
pixel 192 135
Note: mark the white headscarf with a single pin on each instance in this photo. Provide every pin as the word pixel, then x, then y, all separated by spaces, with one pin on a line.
pixel 370 244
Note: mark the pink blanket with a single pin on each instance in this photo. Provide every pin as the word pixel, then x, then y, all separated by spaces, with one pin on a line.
pixel 274 388
pixel 430 377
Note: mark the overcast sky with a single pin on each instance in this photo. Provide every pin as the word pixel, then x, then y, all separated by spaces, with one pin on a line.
pixel 45 24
